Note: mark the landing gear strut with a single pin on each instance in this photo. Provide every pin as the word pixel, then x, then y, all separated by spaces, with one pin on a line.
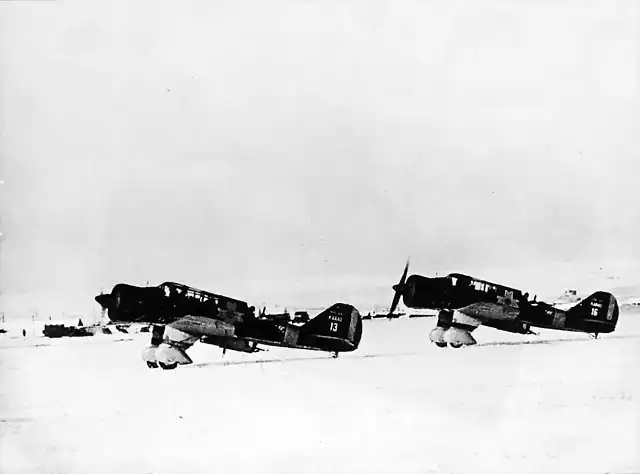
pixel 334 355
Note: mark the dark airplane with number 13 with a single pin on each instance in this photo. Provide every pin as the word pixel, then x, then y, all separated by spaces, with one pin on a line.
pixel 464 303
pixel 182 315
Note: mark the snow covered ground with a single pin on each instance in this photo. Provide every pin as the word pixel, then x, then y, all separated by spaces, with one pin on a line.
pixel 558 403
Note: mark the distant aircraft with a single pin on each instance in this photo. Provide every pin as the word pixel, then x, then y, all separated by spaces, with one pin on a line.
pixel 182 315
pixel 464 303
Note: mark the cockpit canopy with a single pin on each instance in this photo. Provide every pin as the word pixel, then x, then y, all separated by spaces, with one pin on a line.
pixel 178 290
pixel 465 281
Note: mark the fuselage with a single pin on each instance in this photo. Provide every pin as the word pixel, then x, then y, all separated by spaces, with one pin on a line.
pixel 166 303
pixel 507 308
pixel 456 291
pixel 229 322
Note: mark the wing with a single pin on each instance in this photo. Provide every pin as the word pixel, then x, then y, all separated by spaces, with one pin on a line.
pixel 490 311
pixel 199 326
pixel 497 316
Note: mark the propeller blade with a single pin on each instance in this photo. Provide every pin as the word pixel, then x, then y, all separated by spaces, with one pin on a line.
pixel 404 274
pixel 399 290
pixel 394 303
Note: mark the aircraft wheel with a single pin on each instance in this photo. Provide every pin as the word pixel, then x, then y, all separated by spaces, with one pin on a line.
pixel 168 366
pixel 441 344
pixel 152 365
pixel 456 345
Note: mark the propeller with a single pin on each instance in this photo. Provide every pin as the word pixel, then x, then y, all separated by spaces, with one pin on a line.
pixel 399 290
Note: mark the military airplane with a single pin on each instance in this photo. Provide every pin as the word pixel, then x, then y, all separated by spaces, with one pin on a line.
pixel 182 315
pixel 464 303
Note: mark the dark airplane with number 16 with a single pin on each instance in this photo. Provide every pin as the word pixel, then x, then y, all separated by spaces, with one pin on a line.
pixel 182 315
pixel 464 303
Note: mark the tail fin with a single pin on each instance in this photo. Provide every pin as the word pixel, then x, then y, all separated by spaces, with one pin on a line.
pixel 596 314
pixel 339 326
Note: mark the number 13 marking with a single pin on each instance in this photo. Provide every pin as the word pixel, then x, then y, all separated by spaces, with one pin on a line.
pixel 333 327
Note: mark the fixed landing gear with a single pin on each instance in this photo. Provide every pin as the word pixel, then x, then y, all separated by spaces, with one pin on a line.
pixel 165 356
pixel 594 335
pixel 437 336
pixel 334 355
pixel 168 366
pixel 162 365
pixel 155 364
pixel 451 336
pixel 457 337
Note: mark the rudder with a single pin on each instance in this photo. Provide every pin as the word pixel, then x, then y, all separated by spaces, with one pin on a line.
pixel 596 313
pixel 340 321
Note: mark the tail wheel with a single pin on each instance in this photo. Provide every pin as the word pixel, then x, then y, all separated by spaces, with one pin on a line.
pixel 168 366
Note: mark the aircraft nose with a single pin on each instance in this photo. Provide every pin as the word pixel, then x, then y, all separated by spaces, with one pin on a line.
pixel 104 300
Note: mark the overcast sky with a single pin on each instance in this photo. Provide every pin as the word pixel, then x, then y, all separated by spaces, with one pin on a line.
pixel 288 150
